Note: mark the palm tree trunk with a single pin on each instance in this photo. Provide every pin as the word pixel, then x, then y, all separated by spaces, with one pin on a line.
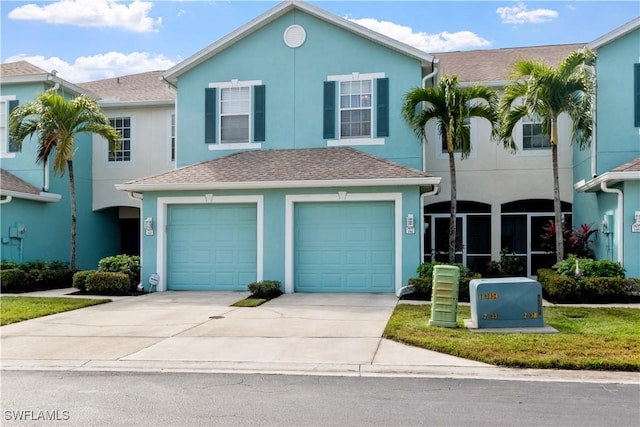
pixel 454 208
pixel 74 220
pixel 557 206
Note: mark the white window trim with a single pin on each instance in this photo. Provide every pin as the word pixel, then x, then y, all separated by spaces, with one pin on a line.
pixel 175 129
pixel 222 146
pixel 473 135
pixel 356 76
pixel 162 205
pixel 4 149
pixel 292 199
pixel 132 126
pixel 518 137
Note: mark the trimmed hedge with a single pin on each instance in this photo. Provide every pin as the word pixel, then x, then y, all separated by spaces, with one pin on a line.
pixel 127 264
pixel 559 288
pixel 13 280
pixel 423 287
pixel 267 289
pixel 108 283
pixel 80 278
pixel 39 276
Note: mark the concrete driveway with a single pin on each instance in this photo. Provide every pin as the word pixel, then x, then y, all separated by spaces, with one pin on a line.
pixel 328 334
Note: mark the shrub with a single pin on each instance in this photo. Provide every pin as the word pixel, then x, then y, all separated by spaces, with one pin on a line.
pixel 561 288
pixel 426 269
pixel 41 275
pixel 80 278
pixel 265 289
pixel 589 267
pixel 602 289
pixel 108 283
pixel 127 264
pixel 423 287
pixel 508 266
pixel 557 287
pixel 13 280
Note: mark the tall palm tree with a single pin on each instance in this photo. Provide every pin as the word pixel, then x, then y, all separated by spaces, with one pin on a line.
pixel 539 90
pixel 58 121
pixel 450 106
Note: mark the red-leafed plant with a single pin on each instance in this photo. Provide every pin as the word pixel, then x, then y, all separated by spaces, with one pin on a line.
pixel 577 241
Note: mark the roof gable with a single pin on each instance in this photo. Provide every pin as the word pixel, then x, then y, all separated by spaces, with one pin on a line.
pixel 19 68
pixel 615 34
pixel 276 12
pixel 142 87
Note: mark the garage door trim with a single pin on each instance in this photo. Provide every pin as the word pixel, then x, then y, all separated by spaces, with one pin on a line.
pixel 336 198
pixel 161 227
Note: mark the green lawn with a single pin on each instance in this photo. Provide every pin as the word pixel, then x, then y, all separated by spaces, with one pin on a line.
pixel 249 302
pixel 589 338
pixel 17 309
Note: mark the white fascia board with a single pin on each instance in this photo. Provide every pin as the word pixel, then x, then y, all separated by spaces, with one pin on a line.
pixel 255 24
pixel 42 197
pixel 134 104
pixel 615 34
pixel 47 79
pixel 593 185
pixel 256 185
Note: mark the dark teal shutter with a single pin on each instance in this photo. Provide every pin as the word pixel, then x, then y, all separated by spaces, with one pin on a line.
pixel 636 93
pixel 329 117
pixel 382 106
pixel 258 113
pixel 210 116
pixel 13 147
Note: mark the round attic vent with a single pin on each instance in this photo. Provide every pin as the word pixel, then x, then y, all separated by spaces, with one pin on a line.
pixel 294 36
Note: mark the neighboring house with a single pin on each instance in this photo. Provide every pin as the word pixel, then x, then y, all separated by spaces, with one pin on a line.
pixel 142 108
pixel 504 199
pixel 35 211
pixel 294 163
pixel 608 176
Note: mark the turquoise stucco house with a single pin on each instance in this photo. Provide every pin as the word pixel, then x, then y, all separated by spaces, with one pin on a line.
pixel 293 161
pixel 608 175
pixel 34 203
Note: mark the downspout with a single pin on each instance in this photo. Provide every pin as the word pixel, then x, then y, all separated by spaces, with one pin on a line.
pixel 7 199
pixel 132 196
pixel 436 188
pixel 619 218
pixel 45 186
pixel 424 85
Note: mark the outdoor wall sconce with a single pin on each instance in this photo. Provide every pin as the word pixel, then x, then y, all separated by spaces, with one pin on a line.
pixel 411 229
pixel 148 226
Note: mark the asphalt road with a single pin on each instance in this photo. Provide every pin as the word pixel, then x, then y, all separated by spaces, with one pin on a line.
pixel 45 398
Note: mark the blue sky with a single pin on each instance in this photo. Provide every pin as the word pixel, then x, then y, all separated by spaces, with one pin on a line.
pixel 93 39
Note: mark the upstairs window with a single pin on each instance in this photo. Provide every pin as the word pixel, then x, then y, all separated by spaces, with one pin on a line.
pixel 172 136
pixel 532 137
pixel 356 109
pixel 234 114
pixel 122 125
pixel 8 147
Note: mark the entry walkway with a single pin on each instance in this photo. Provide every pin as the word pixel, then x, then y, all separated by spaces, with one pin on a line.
pixel 325 334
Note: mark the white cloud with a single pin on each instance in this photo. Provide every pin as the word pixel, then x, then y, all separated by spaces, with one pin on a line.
pixel 102 66
pixel 91 13
pixel 441 42
pixel 519 14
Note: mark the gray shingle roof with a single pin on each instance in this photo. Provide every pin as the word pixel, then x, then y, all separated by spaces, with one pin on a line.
pixel 632 166
pixel 496 65
pixel 10 182
pixel 312 164
pixel 135 87
pixel 19 68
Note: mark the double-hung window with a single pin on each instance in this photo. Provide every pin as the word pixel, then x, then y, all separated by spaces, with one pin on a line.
pixel 234 114
pixel 8 148
pixel 532 137
pixel 122 154
pixel 356 109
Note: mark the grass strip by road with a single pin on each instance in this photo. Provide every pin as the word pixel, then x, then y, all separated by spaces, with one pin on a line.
pixel 16 309
pixel 589 338
pixel 249 302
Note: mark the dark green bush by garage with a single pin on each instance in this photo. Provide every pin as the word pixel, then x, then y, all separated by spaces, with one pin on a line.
pixel 38 276
pixel 108 283
pixel 422 285
pixel 80 278
pixel 265 289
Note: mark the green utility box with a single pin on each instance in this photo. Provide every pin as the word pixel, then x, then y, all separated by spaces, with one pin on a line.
pixel 509 302
pixel 444 296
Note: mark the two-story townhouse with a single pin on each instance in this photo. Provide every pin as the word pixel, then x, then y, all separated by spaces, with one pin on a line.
pixel 35 210
pixel 142 108
pixel 504 198
pixel 294 163
pixel 607 176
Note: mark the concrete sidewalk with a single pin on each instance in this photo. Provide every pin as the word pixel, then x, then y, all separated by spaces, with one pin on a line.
pixel 318 334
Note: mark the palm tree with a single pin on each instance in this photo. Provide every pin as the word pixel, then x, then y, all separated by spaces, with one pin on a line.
pixel 58 122
pixel 539 90
pixel 450 106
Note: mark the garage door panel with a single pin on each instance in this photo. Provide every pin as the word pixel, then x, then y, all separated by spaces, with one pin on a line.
pixel 211 247
pixel 344 246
